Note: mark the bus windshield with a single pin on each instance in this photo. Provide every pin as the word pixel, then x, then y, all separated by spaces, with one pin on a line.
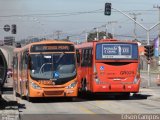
pixel 124 51
pixel 52 66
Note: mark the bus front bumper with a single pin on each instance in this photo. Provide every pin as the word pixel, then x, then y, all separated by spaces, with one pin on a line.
pixel 54 92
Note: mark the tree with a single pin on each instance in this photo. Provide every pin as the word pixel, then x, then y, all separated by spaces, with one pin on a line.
pixel 93 35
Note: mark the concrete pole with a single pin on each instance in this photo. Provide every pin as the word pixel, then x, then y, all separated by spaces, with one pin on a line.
pixel 86 36
pixel 135 18
pixel 112 26
pixel 106 31
pixel 149 76
pixel 97 33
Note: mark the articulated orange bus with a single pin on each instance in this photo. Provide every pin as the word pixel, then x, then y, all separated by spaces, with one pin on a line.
pixel 45 69
pixel 108 66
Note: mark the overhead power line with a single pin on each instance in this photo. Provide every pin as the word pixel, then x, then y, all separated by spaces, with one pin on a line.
pixel 67 14
pixel 53 14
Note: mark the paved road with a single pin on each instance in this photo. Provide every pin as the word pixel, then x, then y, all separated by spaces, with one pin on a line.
pixel 147 101
pixel 99 105
pixel 153 79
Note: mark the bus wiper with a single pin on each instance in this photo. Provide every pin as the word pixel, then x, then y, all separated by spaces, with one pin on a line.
pixel 60 57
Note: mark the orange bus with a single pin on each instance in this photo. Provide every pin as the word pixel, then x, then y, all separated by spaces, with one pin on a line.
pixel 45 69
pixel 108 66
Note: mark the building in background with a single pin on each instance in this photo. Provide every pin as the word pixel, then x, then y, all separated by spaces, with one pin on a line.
pixel 9 40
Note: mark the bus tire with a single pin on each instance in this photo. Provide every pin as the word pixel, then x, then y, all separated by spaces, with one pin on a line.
pixel 84 85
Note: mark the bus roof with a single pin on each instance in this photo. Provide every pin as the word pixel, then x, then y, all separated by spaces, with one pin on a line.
pixel 90 44
pixel 42 42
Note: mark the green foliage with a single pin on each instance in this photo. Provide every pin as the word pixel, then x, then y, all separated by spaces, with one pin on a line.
pixel 93 35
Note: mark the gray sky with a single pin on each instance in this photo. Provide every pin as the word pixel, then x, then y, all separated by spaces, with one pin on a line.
pixel 72 17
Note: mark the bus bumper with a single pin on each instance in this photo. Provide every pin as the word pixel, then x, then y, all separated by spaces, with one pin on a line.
pixel 54 92
pixel 133 88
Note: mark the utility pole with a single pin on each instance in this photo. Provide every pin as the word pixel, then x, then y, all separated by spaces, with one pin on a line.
pixel 106 30
pixel 58 34
pixel 97 33
pixel 86 36
pixel 112 23
pixel 135 18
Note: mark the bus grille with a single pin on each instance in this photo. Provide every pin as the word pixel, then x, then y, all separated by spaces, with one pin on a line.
pixel 53 92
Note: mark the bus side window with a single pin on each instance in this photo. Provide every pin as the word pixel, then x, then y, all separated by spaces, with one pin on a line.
pixel 83 55
pixel 78 57
pixel 86 57
pixel 90 58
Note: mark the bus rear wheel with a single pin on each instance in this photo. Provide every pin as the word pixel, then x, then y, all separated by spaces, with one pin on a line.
pixel 84 85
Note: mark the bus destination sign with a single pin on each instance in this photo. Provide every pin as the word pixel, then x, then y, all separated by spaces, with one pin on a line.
pixel 116 51
pixel 53 48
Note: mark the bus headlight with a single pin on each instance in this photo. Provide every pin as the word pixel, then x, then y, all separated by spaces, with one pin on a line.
pixel 72 85
pixel 35 86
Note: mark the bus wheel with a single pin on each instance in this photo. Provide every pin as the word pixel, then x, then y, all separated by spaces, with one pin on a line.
pixel 84 85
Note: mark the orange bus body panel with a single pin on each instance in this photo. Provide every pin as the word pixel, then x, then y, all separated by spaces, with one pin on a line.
pixel 107 75
pixel 23 81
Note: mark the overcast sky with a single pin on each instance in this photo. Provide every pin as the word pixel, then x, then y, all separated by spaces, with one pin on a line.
pixel 72 17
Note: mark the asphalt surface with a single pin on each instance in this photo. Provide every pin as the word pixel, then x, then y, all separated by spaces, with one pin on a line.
pixel 94 107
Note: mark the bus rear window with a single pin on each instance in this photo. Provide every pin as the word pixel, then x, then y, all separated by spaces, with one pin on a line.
pixel 116 51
